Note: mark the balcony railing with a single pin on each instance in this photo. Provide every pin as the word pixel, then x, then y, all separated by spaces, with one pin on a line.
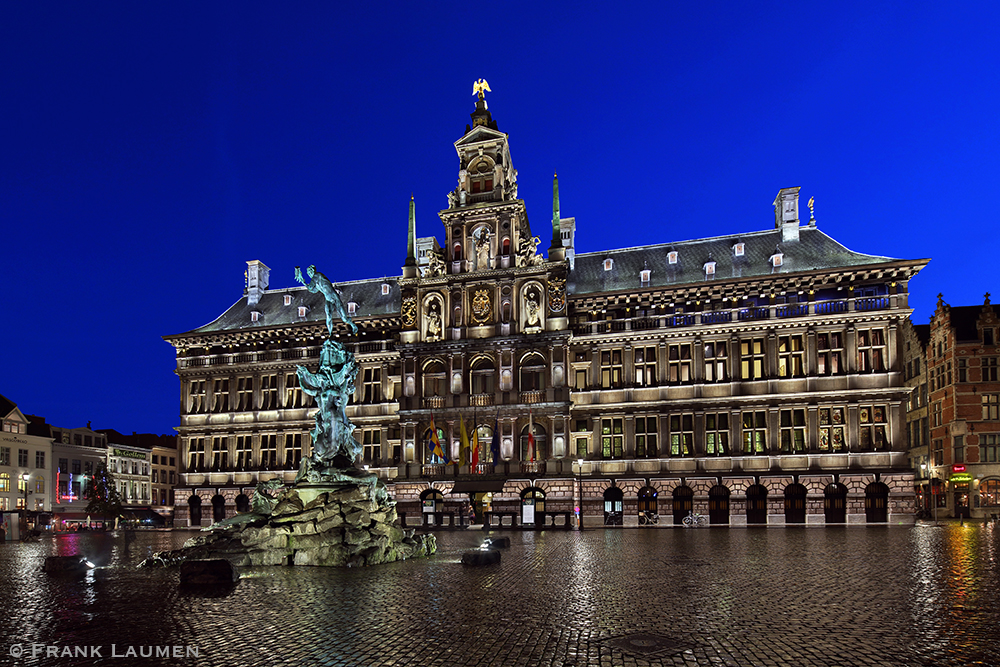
pixel 433 402
pixel 533 396
pixel 871 303
pixel 481 400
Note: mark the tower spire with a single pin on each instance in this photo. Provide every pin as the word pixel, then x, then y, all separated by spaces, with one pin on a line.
pixel 556 251
pixel 410 267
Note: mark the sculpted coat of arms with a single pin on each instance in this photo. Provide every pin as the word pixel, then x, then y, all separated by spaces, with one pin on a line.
pixel 409 311
pixel 482 310
pixel 557 294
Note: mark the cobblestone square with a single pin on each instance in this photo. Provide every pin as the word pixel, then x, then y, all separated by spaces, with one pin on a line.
pixel 850 595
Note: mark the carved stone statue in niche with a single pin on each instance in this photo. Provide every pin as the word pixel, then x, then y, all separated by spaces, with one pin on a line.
pixel 532 313
pixel 482 237
pixel 433 323
pixel 527 251
pixel 435 266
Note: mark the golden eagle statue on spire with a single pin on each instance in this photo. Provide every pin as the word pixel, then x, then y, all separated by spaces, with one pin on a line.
pixel 480 88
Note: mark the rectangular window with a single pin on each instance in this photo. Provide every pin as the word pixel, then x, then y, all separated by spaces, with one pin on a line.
pixel 715 362
pixel 372 385
pixel 612 438
pixel 717 434
pixel 244 394
pixel 39 459
pixel 611 369
pixel 268 392
pixel 679 363
pixel 752 359
pixel 63 465
pixel 989 448
pixel 372 445
pixel 196 451
pixel 5 456
pixel 646 445
pixel 581 448
pixel 936 413
pixel 645 366
pixel 581 379
pixel 220 394
pixel 244 452
pixel 792 427
pixel 958 443
pixel 872 424
pixel 871 350
pixel 269 452
pixel 755 432
pixel 196 397
pixel 790 354
pixel 22 458
pixel 991 406
pixel 681 435
pixel 963 373
pixel 831 429
pixel 989 367
pixel 220 453
pixel 293 392
pixel 987 336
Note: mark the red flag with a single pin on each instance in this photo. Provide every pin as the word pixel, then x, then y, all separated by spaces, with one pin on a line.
pixel 531 438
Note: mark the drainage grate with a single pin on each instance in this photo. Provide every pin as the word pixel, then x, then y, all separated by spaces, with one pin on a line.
pixel 650 644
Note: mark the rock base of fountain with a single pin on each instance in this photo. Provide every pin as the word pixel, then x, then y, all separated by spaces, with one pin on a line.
pixel 321 524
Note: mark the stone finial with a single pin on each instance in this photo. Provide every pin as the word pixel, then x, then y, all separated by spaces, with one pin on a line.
pixel 987 299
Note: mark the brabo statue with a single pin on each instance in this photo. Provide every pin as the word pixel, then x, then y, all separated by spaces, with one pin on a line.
pixel 333 445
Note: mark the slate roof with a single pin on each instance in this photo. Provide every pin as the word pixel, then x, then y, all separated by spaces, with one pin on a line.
pixel 273 311
pixel 813 250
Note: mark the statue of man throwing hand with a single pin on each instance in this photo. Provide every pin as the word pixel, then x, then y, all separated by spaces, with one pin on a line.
pixel 334 306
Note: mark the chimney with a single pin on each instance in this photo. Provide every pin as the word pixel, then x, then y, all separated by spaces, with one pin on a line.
pixel 257 277
pixel 786 213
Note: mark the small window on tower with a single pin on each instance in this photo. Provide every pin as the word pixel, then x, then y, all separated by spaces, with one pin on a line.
pixel 608 264
pixel 672 257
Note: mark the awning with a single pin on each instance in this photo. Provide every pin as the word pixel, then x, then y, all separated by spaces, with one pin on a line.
pixel 478 486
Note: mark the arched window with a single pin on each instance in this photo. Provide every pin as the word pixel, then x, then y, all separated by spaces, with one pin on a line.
pixel 532 372
pixel 541 444
pixel 218 508
pixel 877 503
pixel 456 254
pixel 613 506
pixel 242 503
pixel 756 504
pixel 431 502
pixel 795 503
pixel 435 379
pixel 194 507
pixel 532 506
pixel 683 503
pixel 505 247
pixel 484 434
pixel 835 503
pixel 482 376
pixel 718 505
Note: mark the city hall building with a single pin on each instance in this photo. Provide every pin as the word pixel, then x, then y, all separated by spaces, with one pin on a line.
pixel 755 378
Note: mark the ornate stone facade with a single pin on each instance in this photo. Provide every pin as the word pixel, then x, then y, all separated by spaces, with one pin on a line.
pixel 755 377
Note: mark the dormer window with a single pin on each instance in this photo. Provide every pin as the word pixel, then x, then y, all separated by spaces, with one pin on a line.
pixel 609 264
pixel 385 289
pixel 254 316
pixel 987 336
pixel 352 308
pixel 738 249
pixel 776 259
pixel 302 311
pixel 288 299
pixel 709 267
pixel 672 257
pixel 644 276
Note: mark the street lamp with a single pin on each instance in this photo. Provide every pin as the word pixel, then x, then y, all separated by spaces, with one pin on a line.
pixel 579 480
pixel 24 480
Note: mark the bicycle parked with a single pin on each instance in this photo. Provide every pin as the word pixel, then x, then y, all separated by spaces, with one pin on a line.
pixel 648 518
pixel 693 520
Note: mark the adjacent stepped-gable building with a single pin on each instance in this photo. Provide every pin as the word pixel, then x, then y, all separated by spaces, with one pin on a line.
pixel 754 377
pixel 959 461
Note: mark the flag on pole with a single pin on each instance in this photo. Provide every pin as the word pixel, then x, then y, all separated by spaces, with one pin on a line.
pixel 475 445
pixel 435 443
pixel 531 438
pixel 495 444
pixel 463 446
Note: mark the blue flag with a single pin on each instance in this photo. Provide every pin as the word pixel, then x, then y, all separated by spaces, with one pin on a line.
pixel 495 445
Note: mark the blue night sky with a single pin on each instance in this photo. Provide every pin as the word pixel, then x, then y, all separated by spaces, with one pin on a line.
pixel 148 150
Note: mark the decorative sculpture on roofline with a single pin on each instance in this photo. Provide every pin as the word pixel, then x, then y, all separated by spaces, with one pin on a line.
pixel 334 448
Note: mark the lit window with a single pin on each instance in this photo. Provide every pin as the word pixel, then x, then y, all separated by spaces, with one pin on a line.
pixel 302 311
pixel 709 268
pixel 288 299
pixel 385 288
pixel 672 257
pixel 352 308
pixel 608 264
pixel 738 249
pixel 254 316
pixel 776 259
pixel 644 276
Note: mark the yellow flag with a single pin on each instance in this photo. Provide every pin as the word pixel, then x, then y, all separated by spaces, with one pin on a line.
pixel 463 447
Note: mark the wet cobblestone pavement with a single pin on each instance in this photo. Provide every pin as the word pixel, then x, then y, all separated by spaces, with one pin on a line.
pixel 925 595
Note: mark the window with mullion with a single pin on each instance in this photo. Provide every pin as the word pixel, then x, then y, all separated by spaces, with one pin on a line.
pixel 611 369
pixel 646 445
pixel 792 426
pixel 991 406
pixel 682 435
pixel 715 361
pixel 612 438
pixel 752 359
pixel 717 434
pixel 831 429
pixel 244 452
pixel 871 350
pixel 645 366
pixel 679 363
pixel 754 430
pixel 790 354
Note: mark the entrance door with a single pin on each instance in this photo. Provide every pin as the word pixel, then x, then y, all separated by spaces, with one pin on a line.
pixel 533 507
pixel 718 505
pixel 647 506
pixel 613 506
pixel 218 508
pixel 795 503
pixel 683 503
pixel 962 500
pixel 194 507
pixel 835 503
pixel 877 503
pixel 756 504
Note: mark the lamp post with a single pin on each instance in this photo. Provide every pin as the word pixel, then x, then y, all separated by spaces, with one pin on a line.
pixel 579 481
pixel 24 479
